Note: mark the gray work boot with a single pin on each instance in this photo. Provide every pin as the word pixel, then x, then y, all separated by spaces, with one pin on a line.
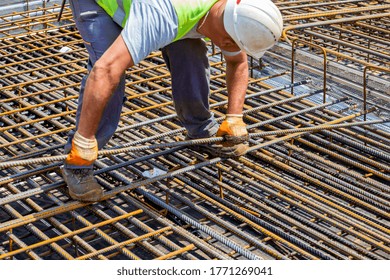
pixel 81 184
pixel 218 150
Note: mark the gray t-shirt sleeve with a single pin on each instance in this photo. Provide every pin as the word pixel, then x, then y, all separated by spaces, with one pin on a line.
pixel 151 26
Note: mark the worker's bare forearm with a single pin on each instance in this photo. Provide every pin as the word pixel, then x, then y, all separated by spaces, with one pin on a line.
pixel 237 82
pixel 100 85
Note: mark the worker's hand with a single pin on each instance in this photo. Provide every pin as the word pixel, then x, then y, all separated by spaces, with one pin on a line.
pixel 233 129
pixel 84 151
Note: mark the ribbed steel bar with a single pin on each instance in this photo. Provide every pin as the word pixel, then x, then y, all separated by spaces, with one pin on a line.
pixel 70 234
pixel 119 176
pixel 350 142
pixel 189 143
pixel 297 171
pixel 16 240
pixel 374 204
pixel 336 12
pixel 204 177
pixel 57 224
pixel 297 221
pixel 373 132
pixel 34 229
pixel 324 200
pixel 279 201
pixel 222 223
pixel 263 227
pixel 160 254
pixel 382 167
pixel 364 159
pixel 281 192
pixel 380 154
pixel 146 228
pixel 302 4
pixel 382 54
pixel 368 184
pixel 202 245
pixel 226 241
pixel 332 26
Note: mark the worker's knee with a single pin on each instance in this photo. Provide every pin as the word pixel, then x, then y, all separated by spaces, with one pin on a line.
pixel 103 71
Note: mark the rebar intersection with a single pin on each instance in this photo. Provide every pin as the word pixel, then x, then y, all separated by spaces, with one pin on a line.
pixel 303 195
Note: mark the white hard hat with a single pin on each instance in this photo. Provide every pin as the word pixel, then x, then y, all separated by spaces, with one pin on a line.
pixel 255 25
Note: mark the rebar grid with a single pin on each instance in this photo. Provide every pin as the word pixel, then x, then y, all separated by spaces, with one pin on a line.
pixel 352 32
pixel 302 195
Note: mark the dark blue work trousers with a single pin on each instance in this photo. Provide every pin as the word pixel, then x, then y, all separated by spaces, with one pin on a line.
pixel 186 59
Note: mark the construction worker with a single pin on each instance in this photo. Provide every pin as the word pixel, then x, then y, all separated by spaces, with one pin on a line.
pixel 120 33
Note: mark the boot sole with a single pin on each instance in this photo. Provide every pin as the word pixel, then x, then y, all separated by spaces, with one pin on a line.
pixel 90 196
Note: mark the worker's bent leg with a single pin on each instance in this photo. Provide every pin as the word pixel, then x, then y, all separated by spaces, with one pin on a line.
pixel 98 32
pixel 187 60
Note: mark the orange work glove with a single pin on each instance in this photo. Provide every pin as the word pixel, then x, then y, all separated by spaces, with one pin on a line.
pixel 233 129
pixel 84 151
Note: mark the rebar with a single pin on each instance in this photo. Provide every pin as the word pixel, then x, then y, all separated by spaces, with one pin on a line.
pixel 313 185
